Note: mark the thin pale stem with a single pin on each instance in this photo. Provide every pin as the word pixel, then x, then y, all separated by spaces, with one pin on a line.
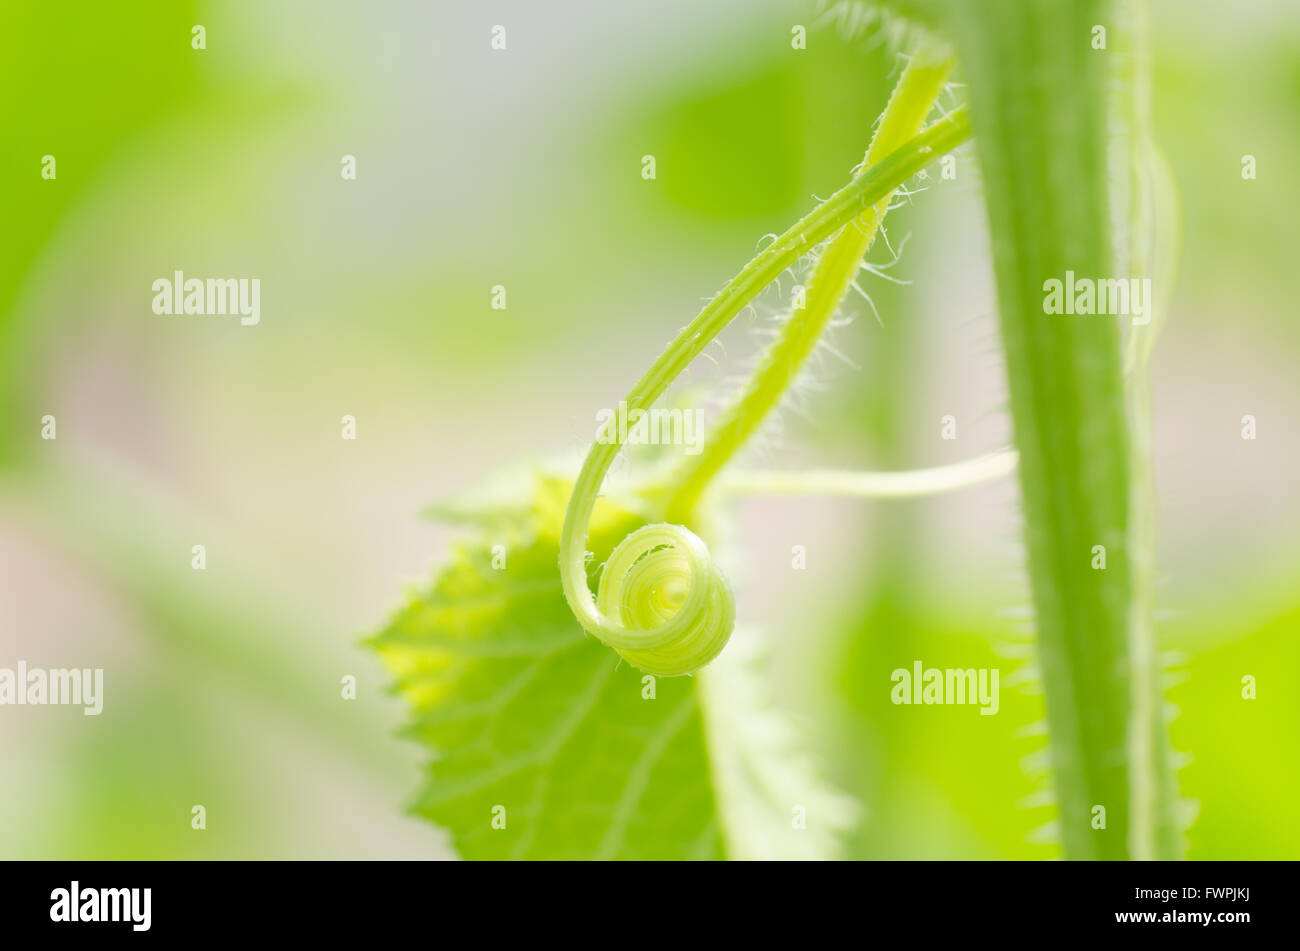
pixel 875 485
pixel 912 100
pixel 864 192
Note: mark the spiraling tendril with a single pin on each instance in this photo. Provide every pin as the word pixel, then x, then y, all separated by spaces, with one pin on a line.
pixel 675 606
pixel 662 602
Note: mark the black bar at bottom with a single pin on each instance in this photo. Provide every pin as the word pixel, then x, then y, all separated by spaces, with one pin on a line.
pixel 440 900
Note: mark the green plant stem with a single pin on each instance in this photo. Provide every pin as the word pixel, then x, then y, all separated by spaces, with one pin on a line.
pixel 874 185
pixel 1039 92
pixel 911 102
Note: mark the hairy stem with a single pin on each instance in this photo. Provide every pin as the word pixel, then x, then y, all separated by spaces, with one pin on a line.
pixel 864 192
pixel 1038 79
pixel 911 102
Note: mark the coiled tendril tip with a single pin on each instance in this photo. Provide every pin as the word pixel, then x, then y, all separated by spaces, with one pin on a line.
pixel 662 602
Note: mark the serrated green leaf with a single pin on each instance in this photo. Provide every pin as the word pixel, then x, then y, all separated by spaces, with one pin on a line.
pixel 524 712
pixel 539 726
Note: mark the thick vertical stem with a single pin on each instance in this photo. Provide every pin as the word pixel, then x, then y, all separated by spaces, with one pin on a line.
pixel 1038 73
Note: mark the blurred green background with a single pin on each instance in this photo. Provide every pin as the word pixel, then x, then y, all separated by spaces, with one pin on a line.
pixel 478 168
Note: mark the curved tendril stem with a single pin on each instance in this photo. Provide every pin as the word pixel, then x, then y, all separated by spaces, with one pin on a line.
pixel 876 485
pixel 863 193
pixel 912 100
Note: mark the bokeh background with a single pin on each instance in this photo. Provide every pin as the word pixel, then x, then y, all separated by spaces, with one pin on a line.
pixel 523 168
